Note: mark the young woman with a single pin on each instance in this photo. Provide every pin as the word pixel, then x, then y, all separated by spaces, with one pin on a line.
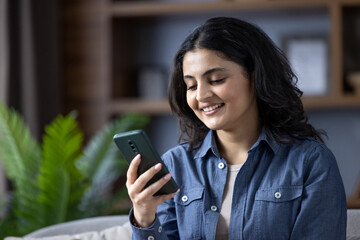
pixel 251 166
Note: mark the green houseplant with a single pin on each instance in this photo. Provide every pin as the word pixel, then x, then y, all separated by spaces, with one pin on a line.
pixel 59 180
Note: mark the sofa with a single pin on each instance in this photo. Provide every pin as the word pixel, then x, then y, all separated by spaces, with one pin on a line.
pixel 106 227
pixel 96 228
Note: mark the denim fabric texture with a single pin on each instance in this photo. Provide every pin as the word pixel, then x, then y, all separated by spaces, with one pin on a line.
pixel 283 191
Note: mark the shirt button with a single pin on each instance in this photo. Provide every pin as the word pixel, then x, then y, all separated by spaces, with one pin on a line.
pixel 277 195
pixel 184 198
pixel 151 238
pixel 221 165
pixel 213 208
pixel 160 229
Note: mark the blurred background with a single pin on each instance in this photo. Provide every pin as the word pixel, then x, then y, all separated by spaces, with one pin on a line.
pixel 107 58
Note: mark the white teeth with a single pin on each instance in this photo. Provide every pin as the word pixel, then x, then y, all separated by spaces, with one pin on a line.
pixel 208 109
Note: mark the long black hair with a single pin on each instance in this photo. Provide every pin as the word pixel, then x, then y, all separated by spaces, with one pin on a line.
pixel 278 99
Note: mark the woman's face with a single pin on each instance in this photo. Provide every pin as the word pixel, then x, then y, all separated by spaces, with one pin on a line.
pixel 219 91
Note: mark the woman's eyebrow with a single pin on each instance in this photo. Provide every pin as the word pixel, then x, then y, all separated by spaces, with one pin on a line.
pixel 218 69
pixel 188 77
pixel 207 72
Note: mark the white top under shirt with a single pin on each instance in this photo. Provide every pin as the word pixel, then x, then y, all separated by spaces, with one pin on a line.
pixel 222 229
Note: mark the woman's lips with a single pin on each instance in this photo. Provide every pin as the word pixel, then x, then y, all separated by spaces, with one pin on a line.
pixel 212 108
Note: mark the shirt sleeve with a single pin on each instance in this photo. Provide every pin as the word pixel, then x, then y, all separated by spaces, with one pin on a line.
pixel 323 209
pixel 151 233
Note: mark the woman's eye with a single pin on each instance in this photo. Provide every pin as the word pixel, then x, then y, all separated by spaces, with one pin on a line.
pixel 217 81
pixel 191 87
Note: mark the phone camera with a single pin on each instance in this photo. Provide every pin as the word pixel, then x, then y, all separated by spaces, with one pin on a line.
pixel 133 147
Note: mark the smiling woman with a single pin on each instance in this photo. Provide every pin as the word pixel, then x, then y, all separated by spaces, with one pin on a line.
pixel 250 166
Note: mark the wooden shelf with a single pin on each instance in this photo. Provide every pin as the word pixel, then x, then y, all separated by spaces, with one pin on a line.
pixel 351 3
pixel 137 105
pixel 353 203
pixel 354 200
pixel 318 103
pixel 136 9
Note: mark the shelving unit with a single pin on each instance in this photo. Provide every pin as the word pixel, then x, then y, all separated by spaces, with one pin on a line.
pixel 106 82
pixel 141 9
pixel 354 200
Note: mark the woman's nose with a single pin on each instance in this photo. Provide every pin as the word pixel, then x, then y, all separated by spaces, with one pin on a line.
pixel 203 92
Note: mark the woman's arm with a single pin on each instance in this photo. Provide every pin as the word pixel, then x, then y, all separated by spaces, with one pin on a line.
pixel 323 209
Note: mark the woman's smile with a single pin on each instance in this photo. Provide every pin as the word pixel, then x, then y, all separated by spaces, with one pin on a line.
pixel 211 109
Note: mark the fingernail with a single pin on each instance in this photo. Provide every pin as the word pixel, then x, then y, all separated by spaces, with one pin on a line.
pixel 167 176
pixel 137 158
pixel 157 166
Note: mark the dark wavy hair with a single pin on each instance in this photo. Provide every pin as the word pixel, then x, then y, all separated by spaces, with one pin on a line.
pixel 278 99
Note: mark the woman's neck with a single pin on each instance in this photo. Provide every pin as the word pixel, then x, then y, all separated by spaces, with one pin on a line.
pixel 235 144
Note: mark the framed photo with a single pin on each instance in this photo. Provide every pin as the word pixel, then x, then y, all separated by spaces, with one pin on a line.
pixel 308 57
pixel 152 82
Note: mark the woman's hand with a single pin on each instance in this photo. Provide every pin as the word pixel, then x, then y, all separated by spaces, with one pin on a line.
pixel 144 203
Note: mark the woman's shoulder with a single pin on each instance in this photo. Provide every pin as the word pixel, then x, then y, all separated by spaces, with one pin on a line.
pixel 311 158
pixel 307 144
pixel 313 152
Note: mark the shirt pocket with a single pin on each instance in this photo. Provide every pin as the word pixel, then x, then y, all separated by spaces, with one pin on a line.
pixel 276 209
pixel 279 194
pixel 189 210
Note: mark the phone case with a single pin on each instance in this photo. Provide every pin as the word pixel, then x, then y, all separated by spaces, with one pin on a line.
pixel 134 142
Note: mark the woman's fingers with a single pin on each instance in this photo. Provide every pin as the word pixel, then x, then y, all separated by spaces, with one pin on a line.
pixel 145 204
pixel 136 184
pixel 153 188
pixel 144 178
pixel 133 168
pixel 163 198
pixel 156 186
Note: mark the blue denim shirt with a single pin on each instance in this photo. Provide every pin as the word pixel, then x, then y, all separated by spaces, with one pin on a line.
pixel 283 191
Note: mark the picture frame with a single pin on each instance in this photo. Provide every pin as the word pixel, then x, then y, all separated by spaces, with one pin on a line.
pixel 308 56
pixel 152 82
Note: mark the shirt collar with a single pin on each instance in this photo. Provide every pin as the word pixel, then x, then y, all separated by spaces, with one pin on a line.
pixel 210 143
pixel 265 138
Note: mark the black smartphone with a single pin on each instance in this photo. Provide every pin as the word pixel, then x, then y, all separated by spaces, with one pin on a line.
pixel 134 142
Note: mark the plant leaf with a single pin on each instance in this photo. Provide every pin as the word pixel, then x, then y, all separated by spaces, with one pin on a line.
pixel 20 155
pixel 50 185
pixel 59 178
